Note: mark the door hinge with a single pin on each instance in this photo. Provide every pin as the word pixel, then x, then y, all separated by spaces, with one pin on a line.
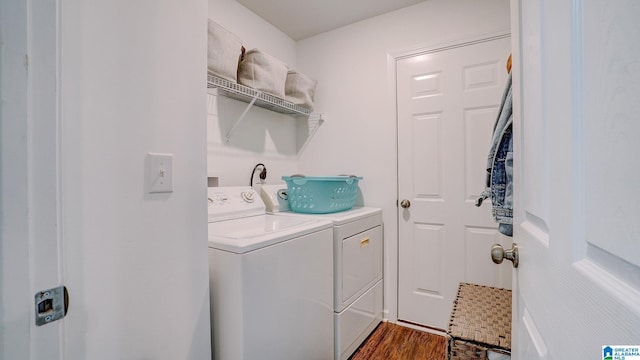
pixel 51 305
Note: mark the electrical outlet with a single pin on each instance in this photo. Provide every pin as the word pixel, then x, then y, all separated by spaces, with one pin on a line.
pixel 160 172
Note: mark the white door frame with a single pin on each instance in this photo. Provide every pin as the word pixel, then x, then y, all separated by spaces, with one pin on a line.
pixel 31 235
pixel 392 247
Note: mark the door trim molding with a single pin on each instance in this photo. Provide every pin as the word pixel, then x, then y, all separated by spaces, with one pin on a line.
pixel 30 180
pixel 426 49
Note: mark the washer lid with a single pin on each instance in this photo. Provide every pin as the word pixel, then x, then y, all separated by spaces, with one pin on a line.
pixel 341 217
pixel 251 233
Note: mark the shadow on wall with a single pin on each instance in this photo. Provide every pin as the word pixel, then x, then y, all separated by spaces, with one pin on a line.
pixel 261 131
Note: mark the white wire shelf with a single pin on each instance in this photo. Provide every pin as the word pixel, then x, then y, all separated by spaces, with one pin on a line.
pixel 253 97
pixel 259 98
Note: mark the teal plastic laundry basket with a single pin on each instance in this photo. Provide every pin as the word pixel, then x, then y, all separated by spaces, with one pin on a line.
pixel 321 195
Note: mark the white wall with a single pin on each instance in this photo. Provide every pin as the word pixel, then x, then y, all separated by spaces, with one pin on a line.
pixel 356 91
pixel 136 263
pixel 263 136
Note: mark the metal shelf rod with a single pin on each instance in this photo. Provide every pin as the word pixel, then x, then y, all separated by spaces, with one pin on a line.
pixel 239 120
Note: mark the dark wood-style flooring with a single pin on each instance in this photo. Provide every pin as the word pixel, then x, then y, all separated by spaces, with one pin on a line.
pixel 394 342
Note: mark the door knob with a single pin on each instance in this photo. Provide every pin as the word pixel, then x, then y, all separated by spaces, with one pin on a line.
pixel 405 203
pixel 498 254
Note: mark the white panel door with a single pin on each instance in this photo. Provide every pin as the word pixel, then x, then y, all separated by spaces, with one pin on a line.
pixel 448 101
pixel 577 177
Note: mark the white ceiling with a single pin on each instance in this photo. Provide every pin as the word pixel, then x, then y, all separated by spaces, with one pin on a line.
pixel 304 18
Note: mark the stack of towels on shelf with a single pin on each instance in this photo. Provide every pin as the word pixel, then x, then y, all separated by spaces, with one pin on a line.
pixel 256 69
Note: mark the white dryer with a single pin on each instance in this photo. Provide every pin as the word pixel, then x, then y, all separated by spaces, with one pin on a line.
pixel 271 281
pixel 357 262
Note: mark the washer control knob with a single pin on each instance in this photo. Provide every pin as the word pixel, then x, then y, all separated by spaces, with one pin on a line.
pixel 247 196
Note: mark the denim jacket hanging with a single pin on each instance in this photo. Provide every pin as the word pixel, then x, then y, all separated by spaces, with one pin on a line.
pixel 499 177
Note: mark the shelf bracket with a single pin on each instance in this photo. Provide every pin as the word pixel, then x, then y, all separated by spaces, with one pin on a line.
pixel 241 117
pixel 317 120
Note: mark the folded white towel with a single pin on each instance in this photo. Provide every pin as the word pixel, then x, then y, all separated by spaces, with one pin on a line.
pixel 300 89
pixel 223 52
pixel 263 72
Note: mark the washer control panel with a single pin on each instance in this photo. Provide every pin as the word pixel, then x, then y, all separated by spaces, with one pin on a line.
pixel 232 202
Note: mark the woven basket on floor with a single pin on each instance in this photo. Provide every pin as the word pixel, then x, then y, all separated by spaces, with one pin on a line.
pixel 480 321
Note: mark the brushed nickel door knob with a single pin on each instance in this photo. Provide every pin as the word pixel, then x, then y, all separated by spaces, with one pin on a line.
pixel 405 203
pixel 498 254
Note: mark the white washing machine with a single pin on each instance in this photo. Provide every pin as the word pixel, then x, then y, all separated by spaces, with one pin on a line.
pixel 357 261
pixel 271 281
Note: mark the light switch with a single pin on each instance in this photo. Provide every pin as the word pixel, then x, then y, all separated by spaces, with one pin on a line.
pixel 160 172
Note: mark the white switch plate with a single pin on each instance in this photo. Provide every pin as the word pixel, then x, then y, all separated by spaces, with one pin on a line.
pixel 160 172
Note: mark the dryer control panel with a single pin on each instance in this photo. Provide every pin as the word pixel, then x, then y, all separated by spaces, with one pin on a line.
pixel 233 202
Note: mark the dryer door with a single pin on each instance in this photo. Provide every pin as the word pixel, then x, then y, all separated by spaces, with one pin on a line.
pixel 361 265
